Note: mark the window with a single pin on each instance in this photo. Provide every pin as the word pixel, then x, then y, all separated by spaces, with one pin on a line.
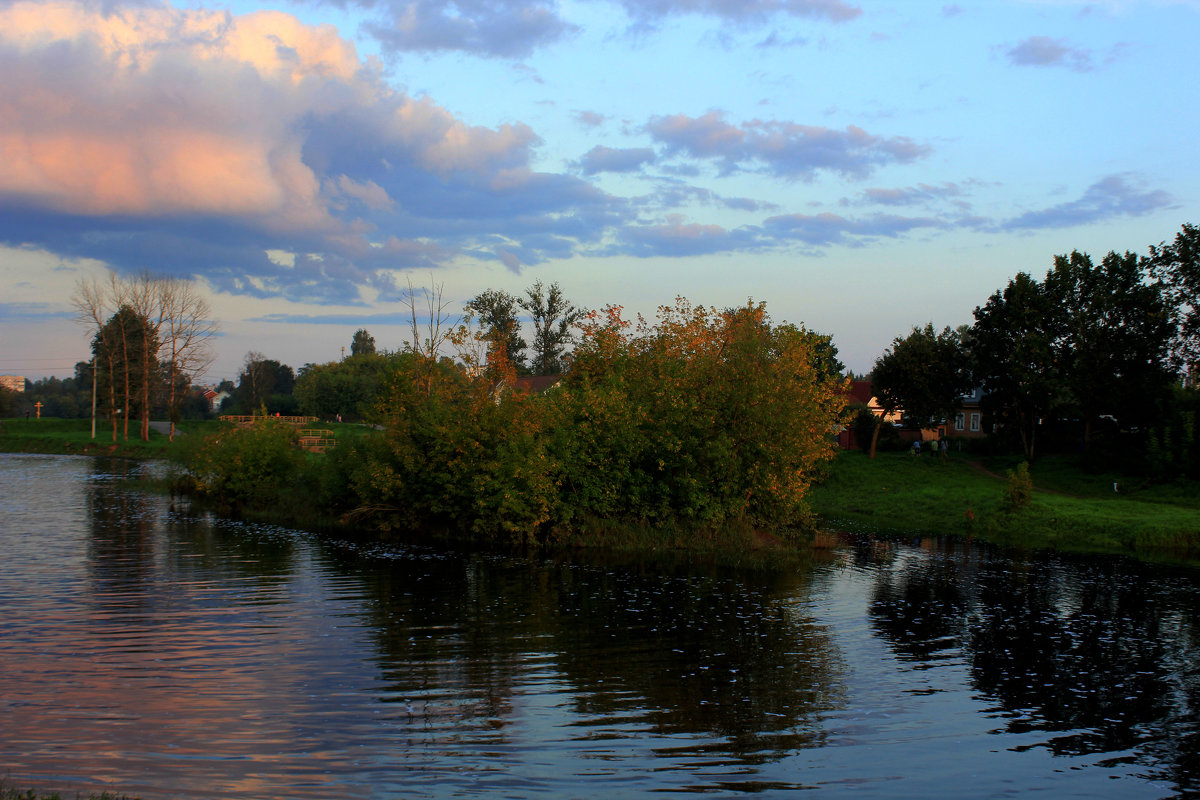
pixel 960 422
pixel 975 421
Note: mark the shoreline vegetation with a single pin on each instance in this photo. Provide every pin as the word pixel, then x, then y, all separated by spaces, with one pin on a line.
pixel 895 494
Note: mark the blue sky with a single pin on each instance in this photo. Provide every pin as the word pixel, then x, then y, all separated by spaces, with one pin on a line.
pixel 862 167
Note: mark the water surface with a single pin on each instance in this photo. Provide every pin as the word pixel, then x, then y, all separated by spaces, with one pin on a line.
pixel 153 652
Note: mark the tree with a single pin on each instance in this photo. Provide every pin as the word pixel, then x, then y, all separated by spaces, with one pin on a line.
pixel 553 318
pixel 8 402
pixel 175 317
pixel 91 301
pixel 924 374
pixel 704 418
pixel 120 348
pixel 346 389
pixel 265 383
pixel 1014 355
pixel 1177 268
pixel 437 329
pixel 496 312
pixel 363 344
pixel 187 331
pixel 1114 339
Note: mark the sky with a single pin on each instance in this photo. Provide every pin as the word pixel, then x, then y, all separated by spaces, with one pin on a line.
pixel 862 167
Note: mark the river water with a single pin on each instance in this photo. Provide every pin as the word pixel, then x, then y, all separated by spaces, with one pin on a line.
pixel 161 654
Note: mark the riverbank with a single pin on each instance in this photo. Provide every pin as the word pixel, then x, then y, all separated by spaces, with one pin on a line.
pixel 52 436
pixel 1069 508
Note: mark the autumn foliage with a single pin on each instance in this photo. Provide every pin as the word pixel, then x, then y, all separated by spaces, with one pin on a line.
pixel 698 420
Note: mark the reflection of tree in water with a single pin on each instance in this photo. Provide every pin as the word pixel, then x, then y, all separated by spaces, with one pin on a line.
pixel 121 546
pixel 216 548
pixel 917 607
pixel 683 654
pixel 134 547
pixel 451 632
pixel 700 653
pixel 1101 653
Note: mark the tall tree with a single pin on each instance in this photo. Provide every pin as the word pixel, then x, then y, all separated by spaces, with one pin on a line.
pixel 925 374
pixel 118 348
pixel 496 312
pixel 144 297
pixel 363 343
pixel 186 331
pixel 1177 267
pixel 91 301
pixel 1114 338
pixel 1014 349
pixel 176 317
pixel 553 319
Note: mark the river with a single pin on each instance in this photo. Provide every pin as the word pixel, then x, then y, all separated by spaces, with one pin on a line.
pixel 153 652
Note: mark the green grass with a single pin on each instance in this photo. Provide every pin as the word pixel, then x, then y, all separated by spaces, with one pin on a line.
pixel 897 493
pixel 49 435
pixel 74 436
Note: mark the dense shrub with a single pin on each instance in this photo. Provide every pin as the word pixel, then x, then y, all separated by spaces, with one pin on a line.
pixel 250 468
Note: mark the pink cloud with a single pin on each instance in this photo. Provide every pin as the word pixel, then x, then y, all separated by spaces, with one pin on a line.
pixel 159 112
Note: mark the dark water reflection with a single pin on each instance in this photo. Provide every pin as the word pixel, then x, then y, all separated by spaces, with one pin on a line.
pixel 158 654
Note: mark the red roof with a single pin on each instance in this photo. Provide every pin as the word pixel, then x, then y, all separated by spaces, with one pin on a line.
pixel 535 384
pixel 860 392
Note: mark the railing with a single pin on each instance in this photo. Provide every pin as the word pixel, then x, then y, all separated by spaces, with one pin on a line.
pixel 317 440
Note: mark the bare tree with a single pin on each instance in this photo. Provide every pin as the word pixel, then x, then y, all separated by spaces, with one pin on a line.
pixel 187 330
pixel 439 327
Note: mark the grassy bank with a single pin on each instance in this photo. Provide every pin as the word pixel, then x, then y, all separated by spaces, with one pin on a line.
pixel 54 436
pixel 74 436
pixel 1070 509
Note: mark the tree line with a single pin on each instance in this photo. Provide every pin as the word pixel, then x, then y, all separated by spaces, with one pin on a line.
pixel 1108 350
pixel 150 336
pixel 701 419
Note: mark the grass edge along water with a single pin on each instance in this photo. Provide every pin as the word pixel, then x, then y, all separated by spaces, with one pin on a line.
pixel 1068 509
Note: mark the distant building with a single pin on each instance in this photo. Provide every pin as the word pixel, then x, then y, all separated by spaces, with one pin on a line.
pixel 14 383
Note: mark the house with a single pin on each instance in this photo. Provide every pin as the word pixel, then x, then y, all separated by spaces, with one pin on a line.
pixel 860 392
pixel 968 421
pixel 14 383
pixel 215 398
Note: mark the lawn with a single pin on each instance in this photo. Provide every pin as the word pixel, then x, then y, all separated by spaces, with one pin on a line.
pixel 74 436
pixel 1070 509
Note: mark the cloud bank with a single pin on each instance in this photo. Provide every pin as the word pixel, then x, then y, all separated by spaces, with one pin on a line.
pixel 268 157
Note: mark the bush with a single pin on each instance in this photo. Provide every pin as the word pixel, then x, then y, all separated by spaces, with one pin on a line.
pixel 255 467
pixel 1018 491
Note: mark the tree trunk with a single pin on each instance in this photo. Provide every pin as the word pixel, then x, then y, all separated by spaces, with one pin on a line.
pixel 875 434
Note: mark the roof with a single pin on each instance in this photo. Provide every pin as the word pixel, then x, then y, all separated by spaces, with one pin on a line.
pixel 535 384
pixel 860 392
